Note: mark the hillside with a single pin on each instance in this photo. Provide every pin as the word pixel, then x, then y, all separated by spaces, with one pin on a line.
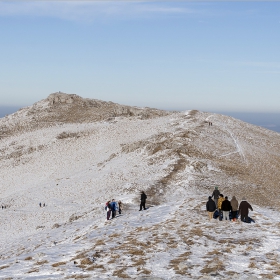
pixel 74 154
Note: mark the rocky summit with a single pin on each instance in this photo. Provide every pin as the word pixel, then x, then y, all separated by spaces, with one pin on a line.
pixel 72 154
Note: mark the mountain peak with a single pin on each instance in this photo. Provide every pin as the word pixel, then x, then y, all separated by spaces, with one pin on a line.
pixel 62 108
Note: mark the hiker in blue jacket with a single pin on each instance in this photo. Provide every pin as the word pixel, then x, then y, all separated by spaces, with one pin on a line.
pixel 114 208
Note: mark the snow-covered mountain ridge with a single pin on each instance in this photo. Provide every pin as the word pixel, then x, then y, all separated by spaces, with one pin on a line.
pixel 74 154
pixel 60 108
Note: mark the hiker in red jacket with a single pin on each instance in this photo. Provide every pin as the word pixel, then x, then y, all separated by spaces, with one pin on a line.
pixel 244 210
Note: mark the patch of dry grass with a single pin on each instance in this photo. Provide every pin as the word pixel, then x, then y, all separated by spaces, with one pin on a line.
pixel 79 276
pixel 58 264
pixel 230 273
pixel 210 237
pixel 215 252
pixel 188 241
pixel 252 265
pixel 33 270
pixel 224 241
pixel 114 235
pixel 96 266
pixel 113 258
pixel 267 276
pixel 178 265
pixel 120 273
pixel 247 241
pixel 99 242
pixel 28 258
pixel 275 263
pixel 4 266
pixel 81 255
pixel 214 265
pixel 139 262
pixel 145 271
pixel 135 252
pixel 140 229
pixel 41 262
pixel 196 231
pixel 271 256
pixel 86 261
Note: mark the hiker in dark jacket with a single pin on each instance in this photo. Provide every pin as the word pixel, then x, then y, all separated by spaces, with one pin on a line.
pixel 226 207
pixel 143 201
pixel 216 194
pixel 210 207
pixel 244 210
pixel 120 207
pixel 108 209
pixel 234 208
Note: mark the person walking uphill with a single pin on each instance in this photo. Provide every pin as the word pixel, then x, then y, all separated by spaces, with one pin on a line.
pixel 216 194
pixel 220 201
pixel 210 207
pixel 114 208
pixel 234 208
pixel 226 207
pixel 244 210
pixel 143 201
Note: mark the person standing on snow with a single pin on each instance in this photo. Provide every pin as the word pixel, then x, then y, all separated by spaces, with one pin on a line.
pixel 216 194
pixel 143 201
pixel 220 201
pixel 114 208
pixel 234 208
pixel 244 210
pixel 120 207
pixel 210 207
pixel 226 207
pixel 108 209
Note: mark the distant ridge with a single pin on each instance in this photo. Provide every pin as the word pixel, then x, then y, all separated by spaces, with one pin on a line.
pixel 61 107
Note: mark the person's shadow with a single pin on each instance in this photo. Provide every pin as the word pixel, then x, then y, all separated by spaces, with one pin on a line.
pixel 250 220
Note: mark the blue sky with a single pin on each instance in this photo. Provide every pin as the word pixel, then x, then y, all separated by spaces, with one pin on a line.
pixel 210 56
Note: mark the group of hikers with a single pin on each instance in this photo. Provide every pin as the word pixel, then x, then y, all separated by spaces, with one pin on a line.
pixel 227 210
pixel 112 206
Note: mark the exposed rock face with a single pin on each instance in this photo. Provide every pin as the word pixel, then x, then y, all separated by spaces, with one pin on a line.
pixel 62 98
pixel 96 108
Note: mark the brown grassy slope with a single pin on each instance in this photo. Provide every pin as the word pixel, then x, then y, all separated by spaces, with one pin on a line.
pixel 246 159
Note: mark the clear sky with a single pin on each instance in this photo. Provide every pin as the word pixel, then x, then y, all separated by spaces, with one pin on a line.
pixel 210 56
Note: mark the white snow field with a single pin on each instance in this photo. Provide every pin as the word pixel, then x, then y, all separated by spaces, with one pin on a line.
pixel 74 154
